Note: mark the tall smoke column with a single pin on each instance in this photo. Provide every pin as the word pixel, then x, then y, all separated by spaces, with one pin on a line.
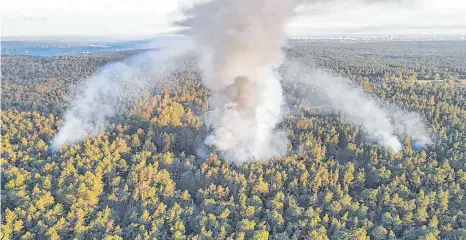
pixel 239 46
pixel 103 94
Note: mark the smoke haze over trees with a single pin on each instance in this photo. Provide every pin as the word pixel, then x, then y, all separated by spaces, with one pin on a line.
pixel 141 178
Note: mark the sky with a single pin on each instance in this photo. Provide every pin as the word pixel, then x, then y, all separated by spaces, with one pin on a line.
pixel 135 19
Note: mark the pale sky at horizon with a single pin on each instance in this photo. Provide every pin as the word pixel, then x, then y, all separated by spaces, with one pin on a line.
pixel 147 18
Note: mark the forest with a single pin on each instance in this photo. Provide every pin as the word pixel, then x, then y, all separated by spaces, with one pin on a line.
pixel 143 179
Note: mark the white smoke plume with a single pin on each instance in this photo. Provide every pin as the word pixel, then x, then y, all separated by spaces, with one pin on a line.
pixel 102 95
pixel 409 124
pixel 239 48
pixel 383 124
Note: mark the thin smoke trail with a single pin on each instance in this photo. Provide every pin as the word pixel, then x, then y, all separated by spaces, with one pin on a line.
pixel 383 124
pixel 102 95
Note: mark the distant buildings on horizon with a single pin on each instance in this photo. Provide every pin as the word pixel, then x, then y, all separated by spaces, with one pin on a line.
pixel 377 38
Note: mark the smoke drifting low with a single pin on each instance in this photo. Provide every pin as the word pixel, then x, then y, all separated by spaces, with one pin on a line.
pixel 102 95
pixel 383 124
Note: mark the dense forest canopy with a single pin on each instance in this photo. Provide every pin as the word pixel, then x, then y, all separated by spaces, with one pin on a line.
pixel 144 178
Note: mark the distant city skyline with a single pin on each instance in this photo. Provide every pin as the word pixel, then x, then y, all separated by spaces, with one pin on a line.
pixel 118 19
